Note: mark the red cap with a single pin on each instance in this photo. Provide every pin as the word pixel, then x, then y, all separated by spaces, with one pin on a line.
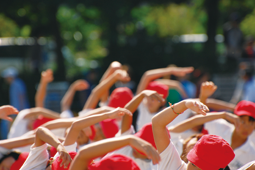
pixel 120 97
pixel 211 152
pixel 109 127
pixel 159 88
pixel 40 121
pixel 56 165
pixel 20 161
pixel 115 162
pixel 245 108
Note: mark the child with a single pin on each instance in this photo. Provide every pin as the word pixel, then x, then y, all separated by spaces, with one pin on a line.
pixel 210 152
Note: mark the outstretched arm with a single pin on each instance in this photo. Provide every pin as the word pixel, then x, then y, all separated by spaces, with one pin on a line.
pixel 134 103
pixel 46 78
pixel 82 123
pixel 97 149
pixel 16 142
pixel 35 112
pixel 220 105
pixel 103 87
pixel 151 75
pixel 199 120
pixel 67 100
pixel 163 118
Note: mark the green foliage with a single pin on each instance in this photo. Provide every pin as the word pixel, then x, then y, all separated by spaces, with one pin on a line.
pixel 248 24
pixel 171 19
pixel 8 28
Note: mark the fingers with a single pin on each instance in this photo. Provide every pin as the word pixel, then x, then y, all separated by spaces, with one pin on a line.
pixel 152 154
pixel 66 159
pixel 125 111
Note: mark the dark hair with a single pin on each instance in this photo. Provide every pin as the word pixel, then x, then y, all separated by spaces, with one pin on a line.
pixel 227 168
pixel 15 155
pixel 251 119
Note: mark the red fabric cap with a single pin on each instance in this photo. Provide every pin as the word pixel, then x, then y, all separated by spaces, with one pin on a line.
pixel 53 151
pixel 56 164
pixel 40 121
pixel 211 152
pixel 115 162
pixel 120 97
pixel 245 108
pixel 159 88
pixel 109 127
pixel 146 134
pixel 20 161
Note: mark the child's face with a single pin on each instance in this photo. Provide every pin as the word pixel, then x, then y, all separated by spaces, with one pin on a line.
pixel 153 105
pixel 82 138
pixel 244 127
pixel 7 163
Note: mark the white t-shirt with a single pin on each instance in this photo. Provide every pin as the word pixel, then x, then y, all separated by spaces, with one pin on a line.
pixel 248 165
pixel 37 159
pixel 128 151
pixel 170 159
pixel 144 116
pixel 243 154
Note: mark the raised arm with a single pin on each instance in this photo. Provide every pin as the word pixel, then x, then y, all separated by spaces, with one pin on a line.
pixel 133 105
pixel 163 118
pixel 67 100
pixel 220 105
pixel 103 87
pixel 35 112
pixel 97 149
pixel 46 78
pixel 199 120
pixel 206 90
pixel 82 123
pixel 17 142
pixel 151 75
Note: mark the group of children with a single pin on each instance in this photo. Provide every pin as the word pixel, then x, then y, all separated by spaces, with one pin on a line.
pixel 182 136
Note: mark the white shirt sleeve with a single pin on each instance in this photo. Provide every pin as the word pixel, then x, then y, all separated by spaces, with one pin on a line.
pixel 170 159
pixel 66 114
pixel 37 158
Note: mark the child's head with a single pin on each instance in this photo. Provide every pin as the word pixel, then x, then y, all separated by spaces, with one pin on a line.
pixel 153 104
pixel 120 97
pixel 211 152
pixel 246 112
pixel 115 162
pixel 13 161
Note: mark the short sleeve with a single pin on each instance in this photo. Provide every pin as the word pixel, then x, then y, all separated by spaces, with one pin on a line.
pixel 170 159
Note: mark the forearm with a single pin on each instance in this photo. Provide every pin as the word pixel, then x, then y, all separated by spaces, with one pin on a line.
pixel 40 94
pixel 151 75
pixel 44 135
pixel 82 123
pixel 45 113
pixel 131 106
pixel 97 149
pixel 59 123
pixel 99 91
pixel 173 84
pixel 195 121
pixel 220 105
pixel 16 142
pixel 67 100
pixel 97 111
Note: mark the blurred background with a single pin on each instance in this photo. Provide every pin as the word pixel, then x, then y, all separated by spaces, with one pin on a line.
pixel 79 39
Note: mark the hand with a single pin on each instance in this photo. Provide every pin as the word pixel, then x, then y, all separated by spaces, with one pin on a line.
pixel 7 110
pixel 87 131
pixel 64 156
pixel 154 95
pixel 122 75
pixel 196 106
pixel 80 85
pixel 207 89
pixel 115 65
pixel 181 71
pixel 232 118
pixel 47 76
pixel 118 113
